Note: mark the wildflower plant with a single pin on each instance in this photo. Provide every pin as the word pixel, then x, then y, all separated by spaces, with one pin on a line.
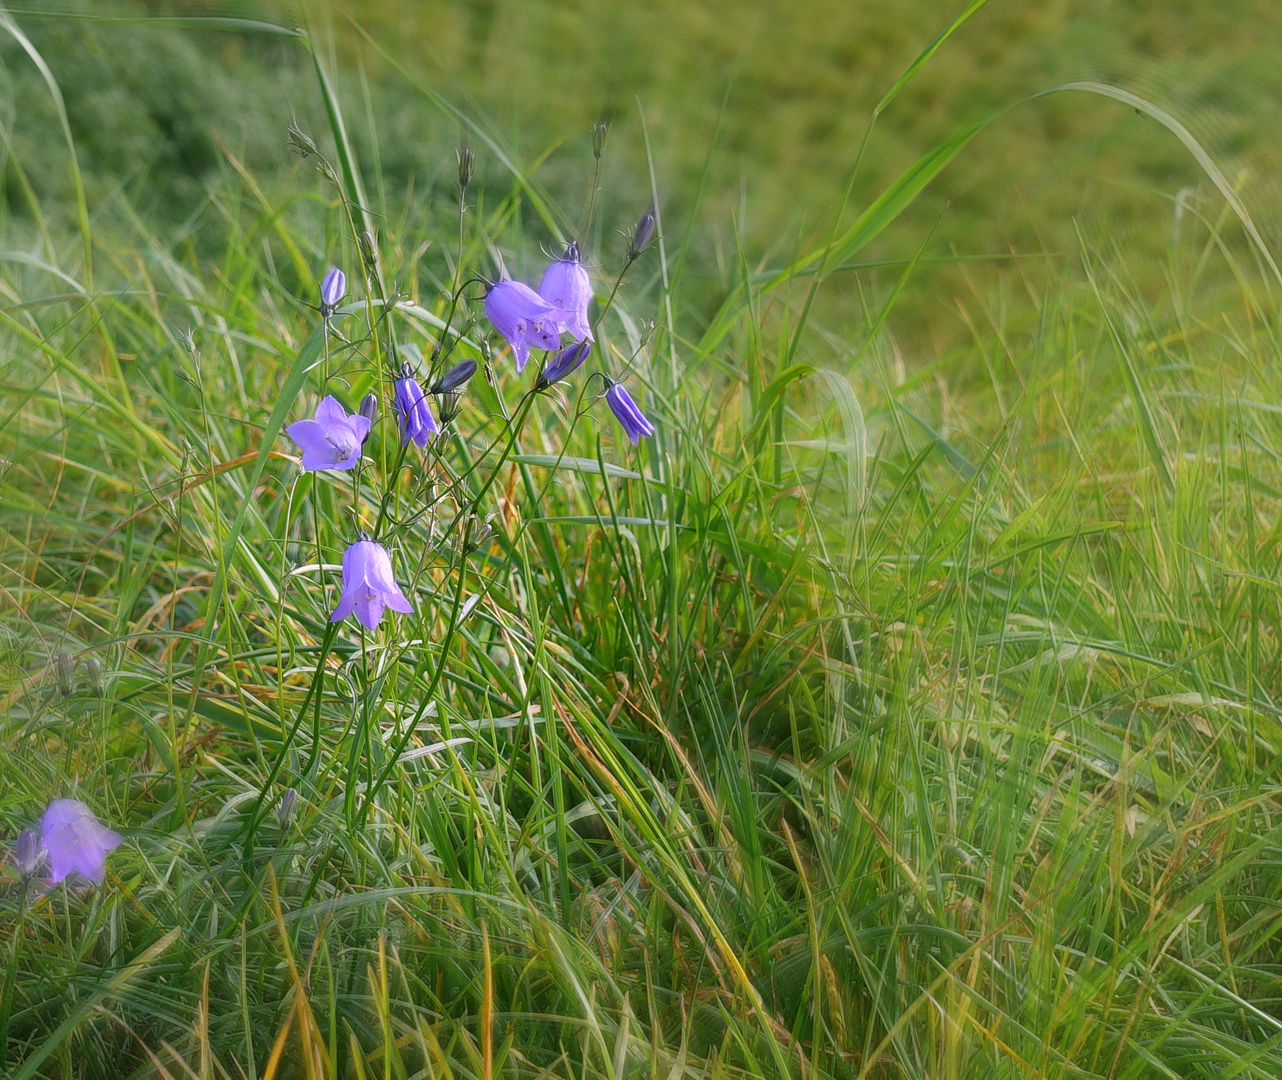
pixel 430 457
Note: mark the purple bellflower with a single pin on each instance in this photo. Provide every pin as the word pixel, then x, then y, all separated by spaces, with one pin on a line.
pixel 417 423
pixel 564 362
pixel 625 410
pixel 567 287
pixel 75 841
pixel 333 440
pixel 332 290
pixel 524 318
pixel 368 585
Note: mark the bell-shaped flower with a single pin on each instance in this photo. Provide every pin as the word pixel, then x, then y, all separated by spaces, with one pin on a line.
pixel 332 290
pixel 75 840
pixel 564 362
pixel 635 425
pixel 567 287
pixel 524 318
pixel 417 423
pixel 368 585
pixel 333 440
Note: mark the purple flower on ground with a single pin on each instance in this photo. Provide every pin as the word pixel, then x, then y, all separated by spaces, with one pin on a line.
pixel 564 362
pixel 75 841
pixel 368 585
pixel 567 287
pixel 524 318
pixel 332 291
pixel 625 410
pixel 333 440
pixel 417 423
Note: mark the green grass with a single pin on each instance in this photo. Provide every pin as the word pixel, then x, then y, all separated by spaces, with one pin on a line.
pixel 885 715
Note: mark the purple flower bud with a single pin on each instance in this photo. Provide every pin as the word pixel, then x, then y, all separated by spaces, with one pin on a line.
pixel 417 422
pixel 369 408
pixel 286 807
pixel 567 287
pixel 524 318
pixel 560 365
pixel 455 378
pixel 75 841
pixel 333 440
pixel 332 291
pixel 642 233
pixel 625 410
pixel 368 585
pixel 28 853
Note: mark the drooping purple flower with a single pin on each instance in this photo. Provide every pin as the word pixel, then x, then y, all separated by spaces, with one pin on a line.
pixel 417 423
pixel 75 840
pixel 523 317
pixel 560 365
pixel 625 410
pixel 368 585
pixel 332 291
pixel 333 440
pixel 567 287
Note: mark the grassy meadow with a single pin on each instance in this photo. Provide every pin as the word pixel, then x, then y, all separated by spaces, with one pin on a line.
pixel 908 705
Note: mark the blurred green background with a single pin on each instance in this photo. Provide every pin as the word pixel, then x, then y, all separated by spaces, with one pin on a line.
pixel 755 114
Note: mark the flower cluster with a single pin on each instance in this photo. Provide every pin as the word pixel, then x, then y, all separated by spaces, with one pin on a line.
pixel 525 318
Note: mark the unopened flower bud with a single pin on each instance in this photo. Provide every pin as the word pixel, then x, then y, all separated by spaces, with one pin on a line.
pixel 65 670
pixel 454 379
pixel 448 389
pixel 477 536
pixel 642 234
pixel 599 133
pixel 332 290
pixel 562 363
pixel 369 251
pixel 466 167
pixel 369 407
pixel 93 673
pixel 28 853
pixel 286 808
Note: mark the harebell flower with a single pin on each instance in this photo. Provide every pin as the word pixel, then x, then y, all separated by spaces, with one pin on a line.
pixel 635 425
pixel 333 440
pixel 368 585
pixel 75 840
pixel 523 317
pixel 567 287
pixel 417 423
